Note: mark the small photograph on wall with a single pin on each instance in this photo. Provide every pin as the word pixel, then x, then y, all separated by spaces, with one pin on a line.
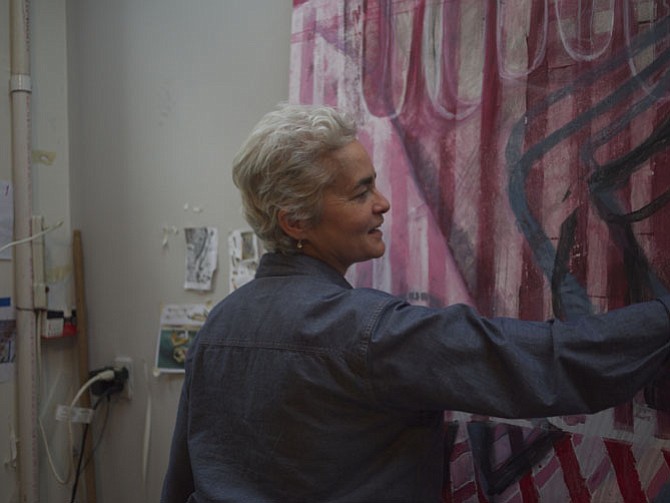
pixel 178 327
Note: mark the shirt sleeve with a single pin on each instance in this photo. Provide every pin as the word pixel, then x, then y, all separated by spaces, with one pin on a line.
pixel 178 483
pixel 454 359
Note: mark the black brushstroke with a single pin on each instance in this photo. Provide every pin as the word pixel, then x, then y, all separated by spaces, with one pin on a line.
pixel 663 495
pixel 521 460
pixel 574 300
pixel 603 183
pixel 562 263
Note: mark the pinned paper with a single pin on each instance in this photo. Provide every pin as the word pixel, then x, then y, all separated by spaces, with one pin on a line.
pixel 201 257
pixel 244 250
pixel 178 326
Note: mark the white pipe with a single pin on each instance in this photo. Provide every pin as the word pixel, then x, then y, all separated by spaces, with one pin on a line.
pixel 26 344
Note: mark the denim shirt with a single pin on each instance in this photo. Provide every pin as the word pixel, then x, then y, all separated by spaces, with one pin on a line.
pixel 300 388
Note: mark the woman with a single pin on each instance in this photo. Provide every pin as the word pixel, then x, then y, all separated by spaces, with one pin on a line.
pixel 302 388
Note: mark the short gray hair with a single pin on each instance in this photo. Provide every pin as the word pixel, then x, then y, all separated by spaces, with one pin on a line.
pixel 282 166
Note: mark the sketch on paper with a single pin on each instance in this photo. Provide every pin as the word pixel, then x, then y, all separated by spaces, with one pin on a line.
pixel 201 257
pixel 244 250
pixel 524 150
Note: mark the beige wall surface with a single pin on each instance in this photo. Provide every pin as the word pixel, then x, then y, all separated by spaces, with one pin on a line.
pixel 143 105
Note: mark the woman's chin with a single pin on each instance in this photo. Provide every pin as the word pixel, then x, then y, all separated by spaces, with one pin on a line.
pixel 381 249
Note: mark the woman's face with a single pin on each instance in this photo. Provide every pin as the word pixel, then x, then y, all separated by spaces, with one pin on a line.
pixel 353 210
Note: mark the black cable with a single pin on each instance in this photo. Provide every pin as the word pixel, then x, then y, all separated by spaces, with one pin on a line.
pixel 81 450
pixel 100 434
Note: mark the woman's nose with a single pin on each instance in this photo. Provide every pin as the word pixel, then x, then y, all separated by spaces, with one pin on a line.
pixel 382 204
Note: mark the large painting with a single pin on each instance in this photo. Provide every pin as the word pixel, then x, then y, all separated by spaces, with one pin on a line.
pixel 524 146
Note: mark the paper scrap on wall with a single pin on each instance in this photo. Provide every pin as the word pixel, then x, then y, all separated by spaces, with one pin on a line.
pixel 179 323
pixel 201 257
pixel 244 250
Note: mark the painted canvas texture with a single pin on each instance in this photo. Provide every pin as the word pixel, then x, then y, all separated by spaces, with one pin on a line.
pixel 524 149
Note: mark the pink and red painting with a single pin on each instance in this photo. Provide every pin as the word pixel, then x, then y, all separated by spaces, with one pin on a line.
pixel 525 148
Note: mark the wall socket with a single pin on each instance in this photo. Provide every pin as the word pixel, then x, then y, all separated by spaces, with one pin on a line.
pixel 126 361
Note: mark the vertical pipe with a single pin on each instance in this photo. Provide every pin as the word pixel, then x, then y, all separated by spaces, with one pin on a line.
pixel 26 344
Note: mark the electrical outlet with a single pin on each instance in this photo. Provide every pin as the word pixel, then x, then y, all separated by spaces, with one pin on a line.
pixel 127 362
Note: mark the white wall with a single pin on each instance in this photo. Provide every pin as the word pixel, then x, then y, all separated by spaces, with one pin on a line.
pixel 160 94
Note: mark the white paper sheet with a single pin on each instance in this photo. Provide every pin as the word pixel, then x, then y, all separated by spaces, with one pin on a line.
pixel 201 257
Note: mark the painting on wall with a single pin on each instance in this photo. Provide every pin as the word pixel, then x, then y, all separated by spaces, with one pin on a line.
pixel 524 147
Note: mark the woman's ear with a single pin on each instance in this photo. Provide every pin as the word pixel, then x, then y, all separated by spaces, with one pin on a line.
pixel 291 227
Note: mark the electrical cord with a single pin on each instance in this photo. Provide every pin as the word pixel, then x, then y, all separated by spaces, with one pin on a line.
pixel 62 480
pixel 100 433
pixel 39 318
pixel 105 375
pixel 79 469
pixel 147 427
pixel 31 237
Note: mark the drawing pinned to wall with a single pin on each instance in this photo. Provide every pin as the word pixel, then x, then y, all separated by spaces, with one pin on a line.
pixel 7 339
pixel 6 219
pixel 179 324
pixel 244 250
pixel 524 149
pixel 201 257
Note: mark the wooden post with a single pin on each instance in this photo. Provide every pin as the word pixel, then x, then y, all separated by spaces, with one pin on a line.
pixel 82 344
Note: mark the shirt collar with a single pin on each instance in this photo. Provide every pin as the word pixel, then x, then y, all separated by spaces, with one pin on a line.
pixel 277 264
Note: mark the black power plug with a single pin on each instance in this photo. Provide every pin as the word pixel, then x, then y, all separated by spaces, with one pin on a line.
pixel 103 387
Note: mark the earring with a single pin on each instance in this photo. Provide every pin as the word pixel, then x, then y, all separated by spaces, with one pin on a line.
pixel 299 245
